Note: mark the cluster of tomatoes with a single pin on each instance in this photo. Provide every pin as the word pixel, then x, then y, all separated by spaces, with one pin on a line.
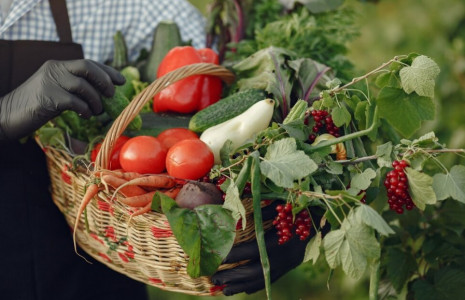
pixel 178 151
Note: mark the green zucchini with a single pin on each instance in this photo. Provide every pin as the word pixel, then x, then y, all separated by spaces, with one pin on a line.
pixel 115 105
pixel 120 56
pixel 165 37
pixel 225 109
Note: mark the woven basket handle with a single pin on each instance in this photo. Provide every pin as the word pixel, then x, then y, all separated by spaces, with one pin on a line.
pixel 134 107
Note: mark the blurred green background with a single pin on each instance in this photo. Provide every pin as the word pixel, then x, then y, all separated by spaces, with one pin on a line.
pixel 388 28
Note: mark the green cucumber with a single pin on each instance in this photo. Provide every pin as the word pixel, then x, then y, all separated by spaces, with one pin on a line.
pixel 165 37
pixel 115 105
pixel 225 109
pixel 120 56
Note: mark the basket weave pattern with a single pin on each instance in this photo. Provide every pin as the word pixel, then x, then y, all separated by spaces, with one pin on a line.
pixel 144 247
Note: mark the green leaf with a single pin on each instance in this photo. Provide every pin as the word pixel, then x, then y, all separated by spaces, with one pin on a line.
pixel 225 150
pixel 388 79
pixel 233 202
pixel 332 244
pixel 257 71
pixel 312 251
pixel 367 215
pixel 420 188
pixel 283 163
pixel 51 136
pixel 363 180
pixel 424 290
pixel 420 76
pixel 446 284
pixel 341 116
pixel 451 184
pixel 428 140
pixel 205 233
pixel 310 75
pixel 360 113
pixel 400 266
pixel 296 129
pixel 351 246
pixel 384 155
pixel 404 112
pixel 335 168
pixel 327 100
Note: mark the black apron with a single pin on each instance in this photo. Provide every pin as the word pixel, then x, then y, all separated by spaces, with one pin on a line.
pixel 37 259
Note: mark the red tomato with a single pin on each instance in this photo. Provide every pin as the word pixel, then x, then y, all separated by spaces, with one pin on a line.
pixel 143 154
pixel 171 136
pixel 114 159
pixel 189 159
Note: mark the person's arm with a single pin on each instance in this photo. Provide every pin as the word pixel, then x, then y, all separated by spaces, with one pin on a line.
pixel 57 86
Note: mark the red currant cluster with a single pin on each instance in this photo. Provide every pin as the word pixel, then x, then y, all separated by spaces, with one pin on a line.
pixel 323 123
pixel 284 223
pixel 396 184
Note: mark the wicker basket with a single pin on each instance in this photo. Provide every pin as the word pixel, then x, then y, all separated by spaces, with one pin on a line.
pixel 144 247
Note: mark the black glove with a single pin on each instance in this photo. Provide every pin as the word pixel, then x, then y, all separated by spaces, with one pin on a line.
pixel 57 86
pixel 249 277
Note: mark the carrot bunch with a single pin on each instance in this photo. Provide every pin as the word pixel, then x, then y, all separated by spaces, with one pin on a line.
pixel 138 190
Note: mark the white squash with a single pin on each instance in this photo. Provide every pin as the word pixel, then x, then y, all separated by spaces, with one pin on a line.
pixel 240 128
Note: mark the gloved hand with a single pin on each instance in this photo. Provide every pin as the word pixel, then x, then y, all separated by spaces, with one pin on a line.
pixel 57 86
pixel 249 277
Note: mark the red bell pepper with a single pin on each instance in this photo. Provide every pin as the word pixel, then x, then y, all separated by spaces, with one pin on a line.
pixel 190 94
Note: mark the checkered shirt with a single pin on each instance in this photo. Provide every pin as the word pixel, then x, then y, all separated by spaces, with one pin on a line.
pixel 94 22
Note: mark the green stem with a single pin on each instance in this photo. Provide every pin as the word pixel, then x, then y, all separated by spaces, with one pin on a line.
pixel 348 137
pixel 374 279
pixel 257 215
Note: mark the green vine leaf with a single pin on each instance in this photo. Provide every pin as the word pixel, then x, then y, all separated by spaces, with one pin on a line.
pixel 420 76
pixel 233 202
pixel 384 155
pixel 446 283
pixel 351 246
pixel 451 184
pixel 367 215
pixel 312 251
pixel 284 164
pixel 341 116
pixel 420 188
pixel 404 112
pixel 400 266
pixel 362 181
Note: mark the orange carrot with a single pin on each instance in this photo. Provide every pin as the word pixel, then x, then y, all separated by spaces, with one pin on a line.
pixel 91 191
pixel 143 210
pixel 158 181
pixel 139 200
pixel 118 173
pixel 172 193
pixel 126 190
